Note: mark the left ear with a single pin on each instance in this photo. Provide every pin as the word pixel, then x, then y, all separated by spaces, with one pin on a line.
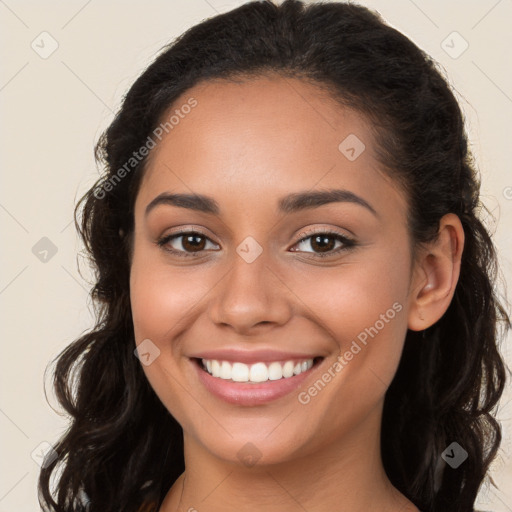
pixel 435 275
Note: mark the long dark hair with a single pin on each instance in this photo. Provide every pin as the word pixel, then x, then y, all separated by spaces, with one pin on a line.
pixel 123 449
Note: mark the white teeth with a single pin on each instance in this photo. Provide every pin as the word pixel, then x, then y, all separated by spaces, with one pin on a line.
pixel 275 371
pixel 225 370
pixel 288 369
pixel 257 372
pixel 216 368
pixel 239 372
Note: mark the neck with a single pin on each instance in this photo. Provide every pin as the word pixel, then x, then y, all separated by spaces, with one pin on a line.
pixel 346 474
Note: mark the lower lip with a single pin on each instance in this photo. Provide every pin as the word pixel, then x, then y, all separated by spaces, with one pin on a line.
pixel 241 393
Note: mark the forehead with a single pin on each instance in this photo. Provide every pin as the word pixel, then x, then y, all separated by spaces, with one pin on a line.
pixel 281 116
pixel 261 136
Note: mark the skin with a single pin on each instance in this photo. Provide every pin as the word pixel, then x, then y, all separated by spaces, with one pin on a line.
pixel 247 145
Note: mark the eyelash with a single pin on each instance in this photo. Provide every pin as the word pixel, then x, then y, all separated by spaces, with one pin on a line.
pixel 347 242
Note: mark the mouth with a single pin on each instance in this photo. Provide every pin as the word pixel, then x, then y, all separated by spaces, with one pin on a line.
pixel 256 372
pixel 253 384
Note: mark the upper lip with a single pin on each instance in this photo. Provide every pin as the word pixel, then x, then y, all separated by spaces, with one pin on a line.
pixel 252 356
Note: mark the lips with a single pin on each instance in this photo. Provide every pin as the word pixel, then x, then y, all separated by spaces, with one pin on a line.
pixel 263 389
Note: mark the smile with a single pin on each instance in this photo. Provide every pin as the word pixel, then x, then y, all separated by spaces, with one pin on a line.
pixel 257 372
pixel 255 383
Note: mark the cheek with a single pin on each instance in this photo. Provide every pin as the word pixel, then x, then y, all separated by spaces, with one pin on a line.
pixel 362 307
pixel 162 298
pixel 162 303
pixel 353 296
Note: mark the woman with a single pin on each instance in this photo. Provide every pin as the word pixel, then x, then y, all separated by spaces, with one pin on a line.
pixel 296 302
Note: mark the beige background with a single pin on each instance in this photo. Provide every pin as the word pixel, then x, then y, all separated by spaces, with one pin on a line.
pixel 53 109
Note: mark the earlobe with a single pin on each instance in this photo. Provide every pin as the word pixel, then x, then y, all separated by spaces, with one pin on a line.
pixel 436 274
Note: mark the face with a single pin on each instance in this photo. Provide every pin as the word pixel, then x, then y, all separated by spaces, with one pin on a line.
pixel 255 277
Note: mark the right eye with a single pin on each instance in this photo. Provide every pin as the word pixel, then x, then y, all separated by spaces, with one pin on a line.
pixel 192 242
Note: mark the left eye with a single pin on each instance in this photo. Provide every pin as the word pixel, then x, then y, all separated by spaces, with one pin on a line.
pixel 325 243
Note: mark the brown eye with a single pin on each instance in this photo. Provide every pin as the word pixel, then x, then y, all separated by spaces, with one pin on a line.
pixel 193 242
pixel 324 244
pixel 185 243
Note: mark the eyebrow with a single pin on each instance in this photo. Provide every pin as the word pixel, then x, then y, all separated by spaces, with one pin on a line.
pixel 291 203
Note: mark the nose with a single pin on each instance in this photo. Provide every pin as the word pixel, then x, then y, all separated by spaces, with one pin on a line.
pixel 250 296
